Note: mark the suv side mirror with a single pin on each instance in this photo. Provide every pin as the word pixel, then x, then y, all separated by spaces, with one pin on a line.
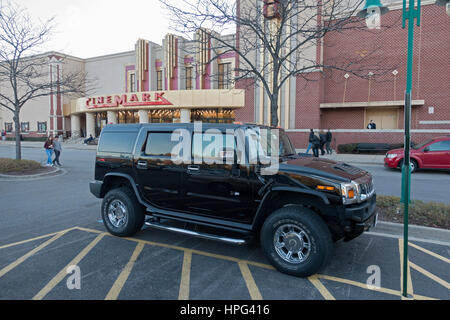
pixel 427 149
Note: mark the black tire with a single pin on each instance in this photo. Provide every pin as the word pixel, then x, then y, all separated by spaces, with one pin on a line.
pixel 413 163
pixel 314 232
pixel 133 213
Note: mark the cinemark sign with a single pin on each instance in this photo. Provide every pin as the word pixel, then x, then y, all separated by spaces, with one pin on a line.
pixel 133 100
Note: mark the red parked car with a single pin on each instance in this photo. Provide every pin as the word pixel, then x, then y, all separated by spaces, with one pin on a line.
pixel 432 154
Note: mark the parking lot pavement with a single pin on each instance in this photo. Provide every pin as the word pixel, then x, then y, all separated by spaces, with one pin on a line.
pixel 160 265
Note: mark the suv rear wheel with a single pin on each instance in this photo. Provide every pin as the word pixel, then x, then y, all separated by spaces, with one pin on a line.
pixel 122 214
pixel 296 241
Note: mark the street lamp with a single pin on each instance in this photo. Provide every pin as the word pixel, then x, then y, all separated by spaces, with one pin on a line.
pixel 372 12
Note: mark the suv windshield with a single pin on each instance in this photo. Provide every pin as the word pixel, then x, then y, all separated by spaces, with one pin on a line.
pixel 269 142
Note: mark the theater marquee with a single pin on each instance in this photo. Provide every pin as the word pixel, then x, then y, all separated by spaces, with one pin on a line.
pixel 172 99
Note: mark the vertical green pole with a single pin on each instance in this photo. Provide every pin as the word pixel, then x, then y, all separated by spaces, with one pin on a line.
pixel 406 169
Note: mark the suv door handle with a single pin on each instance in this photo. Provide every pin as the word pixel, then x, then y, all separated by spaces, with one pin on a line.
pixel 142 164
pixel 193 168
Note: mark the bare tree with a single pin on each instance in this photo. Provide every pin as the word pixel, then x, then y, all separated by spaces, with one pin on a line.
pixel 24 74
pixel 274 39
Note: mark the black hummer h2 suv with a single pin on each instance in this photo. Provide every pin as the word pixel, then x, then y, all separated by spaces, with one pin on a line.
pixel 296 211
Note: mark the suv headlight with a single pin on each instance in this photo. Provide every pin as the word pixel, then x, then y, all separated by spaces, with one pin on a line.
pixel 350 192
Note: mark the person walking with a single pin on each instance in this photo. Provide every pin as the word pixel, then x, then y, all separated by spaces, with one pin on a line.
pixel 329 138
pixel 311 135
pixel 57 148
pixel 323 140
pixel 3 135
pixel 315 145
pixel 48 146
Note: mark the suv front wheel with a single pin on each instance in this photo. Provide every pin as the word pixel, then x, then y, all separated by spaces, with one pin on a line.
pixel 296 241
pixel 122 214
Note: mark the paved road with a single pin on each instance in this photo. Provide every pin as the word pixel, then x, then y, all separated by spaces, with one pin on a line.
pixel 425 185
pixel 50 224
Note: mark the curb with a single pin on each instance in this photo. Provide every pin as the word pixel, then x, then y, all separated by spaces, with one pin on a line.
pixel 415 232
pixel 58 172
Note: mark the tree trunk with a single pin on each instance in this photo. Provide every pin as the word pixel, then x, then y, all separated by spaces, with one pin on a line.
pixel 274 110
pixel 17 129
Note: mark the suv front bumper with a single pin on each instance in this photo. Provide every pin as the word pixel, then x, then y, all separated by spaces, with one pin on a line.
pixel 362 217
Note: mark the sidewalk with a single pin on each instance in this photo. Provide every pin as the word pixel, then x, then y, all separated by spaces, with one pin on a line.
pixel 40 144
pixel 374 159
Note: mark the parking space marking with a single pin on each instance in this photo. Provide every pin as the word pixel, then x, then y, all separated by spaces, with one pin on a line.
pixel 60 276
pixel 114 292
pixel 14 264
pixel 34 239
pixel 429 252
pixel 186 268
pixel 322 289
pixel 430 275
pixel 409 285
pixel 249 281
pixel 185 276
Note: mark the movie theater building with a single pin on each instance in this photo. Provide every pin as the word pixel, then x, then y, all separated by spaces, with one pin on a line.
pixel 176 82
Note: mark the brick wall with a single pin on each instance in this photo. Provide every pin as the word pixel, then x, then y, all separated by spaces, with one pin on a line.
pixel 388 48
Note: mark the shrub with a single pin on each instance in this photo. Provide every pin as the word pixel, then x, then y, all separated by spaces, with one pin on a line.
pixel 13 165
pixel 347 148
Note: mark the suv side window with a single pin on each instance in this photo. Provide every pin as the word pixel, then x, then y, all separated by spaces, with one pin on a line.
pixel 117 142
pixel 211 148
pixel 440 146
pixel 160 144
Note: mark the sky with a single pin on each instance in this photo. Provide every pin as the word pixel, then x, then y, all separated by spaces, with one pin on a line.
pixel 91 28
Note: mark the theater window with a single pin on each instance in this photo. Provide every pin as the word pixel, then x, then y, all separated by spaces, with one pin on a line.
pixel 42 126
pixel 159 80
pixel 224 75
pixel 131 81
pixel 8 126
pixel 24 126
pixel 188 78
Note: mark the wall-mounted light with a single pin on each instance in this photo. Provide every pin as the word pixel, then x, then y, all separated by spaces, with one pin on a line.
pixel 372 12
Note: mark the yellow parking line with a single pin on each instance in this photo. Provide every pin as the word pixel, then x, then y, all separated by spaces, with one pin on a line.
pixel 34 239
pixel 319 286
pixel 249 281
pixel 57 279
pixel 410 289
pixel 202 253
pixel 359 284
pixel 114 292
pixel 185 276
pixel 429 252
pixel 29 254
pixel 430 275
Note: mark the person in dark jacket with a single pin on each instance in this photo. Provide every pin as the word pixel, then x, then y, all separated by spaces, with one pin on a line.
pixel 315 145
pixel 311 136
pixel 329 138
pixel 323 140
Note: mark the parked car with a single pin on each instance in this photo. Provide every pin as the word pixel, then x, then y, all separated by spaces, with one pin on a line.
pixel 296 212
pixel 432 154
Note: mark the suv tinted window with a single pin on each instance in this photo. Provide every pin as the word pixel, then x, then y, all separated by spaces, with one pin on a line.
pixel 440 146
pixel 206 146
pixel 117 142
pixel 160 144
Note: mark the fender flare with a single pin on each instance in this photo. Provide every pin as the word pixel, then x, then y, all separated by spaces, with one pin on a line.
pixel 132 183
pixel 313 193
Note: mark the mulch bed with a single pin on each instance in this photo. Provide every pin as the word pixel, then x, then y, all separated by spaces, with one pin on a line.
pixel 40 170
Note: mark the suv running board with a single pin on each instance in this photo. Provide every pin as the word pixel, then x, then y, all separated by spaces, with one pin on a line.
pixel 196 234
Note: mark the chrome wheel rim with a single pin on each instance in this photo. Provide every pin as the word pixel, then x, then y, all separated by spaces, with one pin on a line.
pixel 117 213
pixel 292 243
